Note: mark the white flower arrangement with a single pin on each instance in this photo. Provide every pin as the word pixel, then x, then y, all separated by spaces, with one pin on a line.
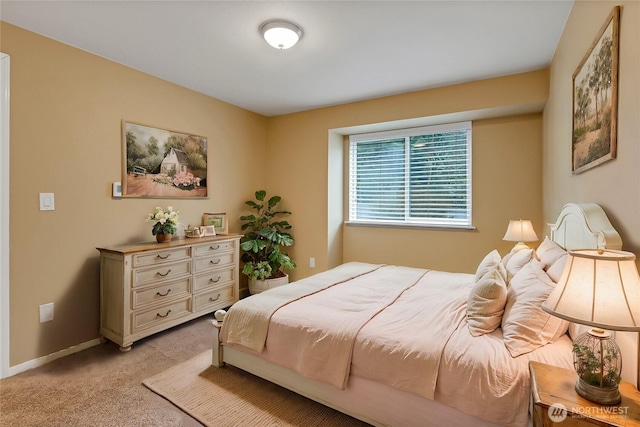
pixel 166 220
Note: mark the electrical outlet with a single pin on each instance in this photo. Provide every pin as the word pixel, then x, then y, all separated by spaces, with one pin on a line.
pixel 312 262
pixel 46 312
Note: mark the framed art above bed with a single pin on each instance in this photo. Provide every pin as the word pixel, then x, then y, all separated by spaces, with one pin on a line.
pixel 595 99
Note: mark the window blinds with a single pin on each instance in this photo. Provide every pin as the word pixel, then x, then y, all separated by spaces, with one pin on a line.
pixel 414 176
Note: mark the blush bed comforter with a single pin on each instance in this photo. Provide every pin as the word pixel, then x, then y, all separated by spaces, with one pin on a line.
pixel 401 326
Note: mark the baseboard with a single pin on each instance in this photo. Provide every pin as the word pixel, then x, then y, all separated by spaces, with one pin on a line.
pixel 40 361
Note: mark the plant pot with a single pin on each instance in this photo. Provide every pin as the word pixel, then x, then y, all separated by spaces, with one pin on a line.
pixel 257 286
pixel 163 237
pixel 601 395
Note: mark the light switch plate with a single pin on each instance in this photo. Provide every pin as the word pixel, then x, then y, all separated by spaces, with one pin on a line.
pixel 47 202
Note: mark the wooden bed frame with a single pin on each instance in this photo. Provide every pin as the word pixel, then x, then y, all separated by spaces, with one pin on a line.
pixel 578 226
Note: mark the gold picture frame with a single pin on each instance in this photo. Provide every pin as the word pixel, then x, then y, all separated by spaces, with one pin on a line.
pixel 595 100
pixel 218 221
pixel 159 163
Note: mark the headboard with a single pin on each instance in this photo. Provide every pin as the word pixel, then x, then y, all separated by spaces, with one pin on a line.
pixel 584 226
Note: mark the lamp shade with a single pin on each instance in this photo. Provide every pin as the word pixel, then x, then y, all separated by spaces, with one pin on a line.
pixel 598 287
pixel 281 34
pixel 520 230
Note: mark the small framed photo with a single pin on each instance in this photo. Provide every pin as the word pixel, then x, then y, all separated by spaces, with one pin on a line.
pixel 208 230
pixel 218 221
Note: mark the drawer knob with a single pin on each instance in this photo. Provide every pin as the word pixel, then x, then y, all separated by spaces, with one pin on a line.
pixel 164 257
pixel 215 262
pixel 160 315
pixel 214 248
pixel 165 294
pixel 165 274
pixel 216 298
pixel 216 280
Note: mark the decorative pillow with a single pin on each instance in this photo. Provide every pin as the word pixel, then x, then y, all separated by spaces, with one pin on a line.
pixel 516 261
pixel 549 252
pixel 486 303
pixel 525 326
pixel 556 269
pixel 517 248
pixel 491 261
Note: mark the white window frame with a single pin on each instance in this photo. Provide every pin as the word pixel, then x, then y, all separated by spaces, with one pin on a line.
pixel 465 223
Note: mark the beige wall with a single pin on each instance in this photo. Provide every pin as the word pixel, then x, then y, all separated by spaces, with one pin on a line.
pixel 506 185
pixel 66 112
pixel 506 173
pixel 614 184
pixel 66 109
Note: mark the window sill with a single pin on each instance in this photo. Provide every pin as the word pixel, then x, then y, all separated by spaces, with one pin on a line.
pixel 410 226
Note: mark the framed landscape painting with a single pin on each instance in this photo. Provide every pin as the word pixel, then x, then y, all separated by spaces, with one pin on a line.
pixel 217 220
pixel 159 163
pixel 595 100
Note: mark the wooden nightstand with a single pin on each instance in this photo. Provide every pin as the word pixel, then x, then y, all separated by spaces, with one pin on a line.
pixel 553 386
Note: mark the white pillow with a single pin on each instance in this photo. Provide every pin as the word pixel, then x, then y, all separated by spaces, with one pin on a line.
pixel 517 248
pixel 525 326
pixel 485 304
pixel 556 269
pixel 491 261
pixel 516 261
pixel 549 252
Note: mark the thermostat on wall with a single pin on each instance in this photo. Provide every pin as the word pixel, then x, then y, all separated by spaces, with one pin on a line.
pixel 117 189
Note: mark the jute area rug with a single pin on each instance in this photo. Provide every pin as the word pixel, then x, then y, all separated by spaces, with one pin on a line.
pixel 231 397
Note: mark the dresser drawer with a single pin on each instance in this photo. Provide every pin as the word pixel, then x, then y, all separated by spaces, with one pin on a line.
pixel 214 248
pixel 213 278
pixel 219 297
pixel 169 271
pixel 159 293
pixel 159 257
pixel 156 316
pixel 207 263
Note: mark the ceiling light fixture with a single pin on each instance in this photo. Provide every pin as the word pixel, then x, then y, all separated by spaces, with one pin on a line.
pixel 281 34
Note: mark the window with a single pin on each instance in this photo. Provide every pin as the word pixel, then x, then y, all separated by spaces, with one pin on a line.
pixel 417 177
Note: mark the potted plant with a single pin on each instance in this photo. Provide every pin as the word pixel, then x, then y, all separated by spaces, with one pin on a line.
pixel 266 235
pixel 596 358
pixel 165 223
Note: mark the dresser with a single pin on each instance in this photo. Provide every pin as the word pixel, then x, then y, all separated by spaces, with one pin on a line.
pixel 148 287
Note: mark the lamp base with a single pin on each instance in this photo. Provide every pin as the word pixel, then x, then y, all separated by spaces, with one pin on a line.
pixel 603 396
pixel 519 246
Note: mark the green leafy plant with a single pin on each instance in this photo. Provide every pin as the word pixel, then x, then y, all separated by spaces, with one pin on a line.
pixel 597 368
pixel 165 220
pixel 266 235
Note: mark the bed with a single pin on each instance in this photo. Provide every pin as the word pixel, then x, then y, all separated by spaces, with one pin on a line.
pixel 401 346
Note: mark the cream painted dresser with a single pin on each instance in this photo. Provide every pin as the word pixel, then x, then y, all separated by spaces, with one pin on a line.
pixel 148 287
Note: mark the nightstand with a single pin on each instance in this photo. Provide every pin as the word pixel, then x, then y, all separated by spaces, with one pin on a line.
pixel 552 387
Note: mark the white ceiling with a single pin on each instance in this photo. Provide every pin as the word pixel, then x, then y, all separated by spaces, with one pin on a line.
pixel 350 50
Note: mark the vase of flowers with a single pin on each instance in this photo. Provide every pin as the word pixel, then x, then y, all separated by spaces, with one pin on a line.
pixel 165 223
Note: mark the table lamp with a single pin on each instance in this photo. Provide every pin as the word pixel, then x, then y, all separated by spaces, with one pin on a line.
pixel 520 230
pixel 599 288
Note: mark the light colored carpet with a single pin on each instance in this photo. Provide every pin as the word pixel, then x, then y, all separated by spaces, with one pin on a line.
pixel 231 397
